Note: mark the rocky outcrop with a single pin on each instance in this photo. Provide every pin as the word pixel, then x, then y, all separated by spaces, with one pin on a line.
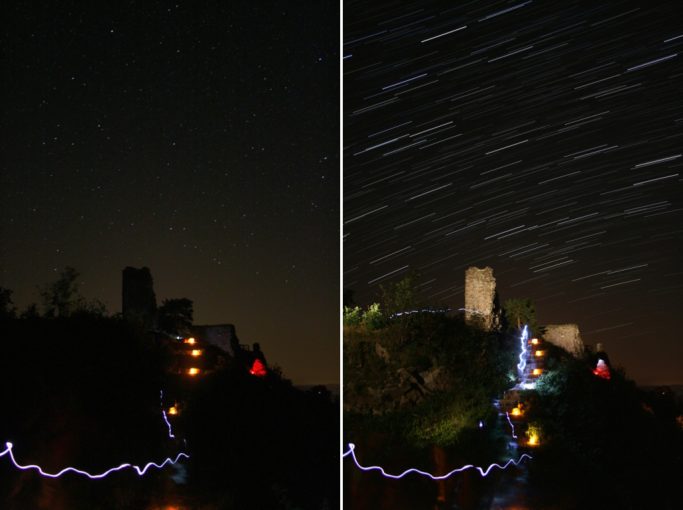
pixel 566 336
pixel 406 386
pixel 481 300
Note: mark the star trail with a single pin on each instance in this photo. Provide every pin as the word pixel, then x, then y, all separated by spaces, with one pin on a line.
pixel 540 138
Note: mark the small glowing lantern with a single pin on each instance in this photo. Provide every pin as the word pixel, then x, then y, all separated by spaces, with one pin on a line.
pixel 534 341
pixel 196 352
pixel 534 435
pixel 193 371
pixel 516 411
pixel 190 341
pixel 536 371
pixel 173 410
pixel 540 353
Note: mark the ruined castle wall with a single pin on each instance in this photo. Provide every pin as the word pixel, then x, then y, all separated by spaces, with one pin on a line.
pixel 480 298
pixel 138 299
pixel 566 336
pixel 220 335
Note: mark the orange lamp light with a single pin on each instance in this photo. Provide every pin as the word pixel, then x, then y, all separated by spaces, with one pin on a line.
pixel 534 341
pixel 193 371
pixel 173 410
pixel 539 353
pixel 533 440
pixel 516 411
pixel 196 352
pixel 190 340
pixel 536 371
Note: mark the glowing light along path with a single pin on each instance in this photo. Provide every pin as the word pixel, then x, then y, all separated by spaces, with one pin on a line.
pixel 514 436
pixel 522 355
pixel 163 413
pixel 484 472
pixel 140 470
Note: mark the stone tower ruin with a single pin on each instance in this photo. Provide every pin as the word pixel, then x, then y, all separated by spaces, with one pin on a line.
pixel 481 300
pixel 139 303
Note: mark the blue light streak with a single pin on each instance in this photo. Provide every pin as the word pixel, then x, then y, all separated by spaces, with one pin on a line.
pixel 511 425
pixel 522 355
pixel 140 470
pixel 521 366
pixel 163 413
pixel 484 472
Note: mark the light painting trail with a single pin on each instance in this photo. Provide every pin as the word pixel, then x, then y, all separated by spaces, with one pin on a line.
pixel 140 470
pixel 484 472
pixel 512 427
pixel 163 413
pixel 170 429
pixel 522 355
pixel 421 310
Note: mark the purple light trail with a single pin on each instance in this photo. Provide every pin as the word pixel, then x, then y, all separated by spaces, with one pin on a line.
pixel 163 413
pixel 140 470
pixel 482 471
pixel 511 425
pixel 522 355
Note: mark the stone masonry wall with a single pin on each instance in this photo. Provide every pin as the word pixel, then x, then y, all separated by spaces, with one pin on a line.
pixel 566 336
pixel 480 298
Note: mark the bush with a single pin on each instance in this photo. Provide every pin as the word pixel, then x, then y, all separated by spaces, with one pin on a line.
pixel 373 318
pixel 352 316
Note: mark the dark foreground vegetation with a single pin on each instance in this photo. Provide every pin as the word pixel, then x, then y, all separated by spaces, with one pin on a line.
pixel 607 443
pixel 417 386
pixel 418 393
pixel 84 390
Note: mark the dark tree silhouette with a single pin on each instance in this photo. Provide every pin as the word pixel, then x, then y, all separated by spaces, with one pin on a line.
pixel 519 312
pixel 175 315
pixel 61 297
pixel 7 310
pixel 400 296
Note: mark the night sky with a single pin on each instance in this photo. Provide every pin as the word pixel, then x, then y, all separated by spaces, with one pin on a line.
pixel 543 139
pixel 199 139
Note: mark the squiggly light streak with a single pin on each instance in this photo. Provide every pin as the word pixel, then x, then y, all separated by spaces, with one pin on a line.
pixel 472 311
pixel 511 425
pixel 482 471
pixel 163 413
pixel 140 470
pixel 522 355
pixel 421 310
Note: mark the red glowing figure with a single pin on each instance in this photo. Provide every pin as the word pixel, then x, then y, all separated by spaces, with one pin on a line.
pixel 258 368
pixel 602 370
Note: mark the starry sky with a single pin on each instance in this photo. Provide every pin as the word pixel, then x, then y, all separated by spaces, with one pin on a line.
pixel 198 139
pixel 543 139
